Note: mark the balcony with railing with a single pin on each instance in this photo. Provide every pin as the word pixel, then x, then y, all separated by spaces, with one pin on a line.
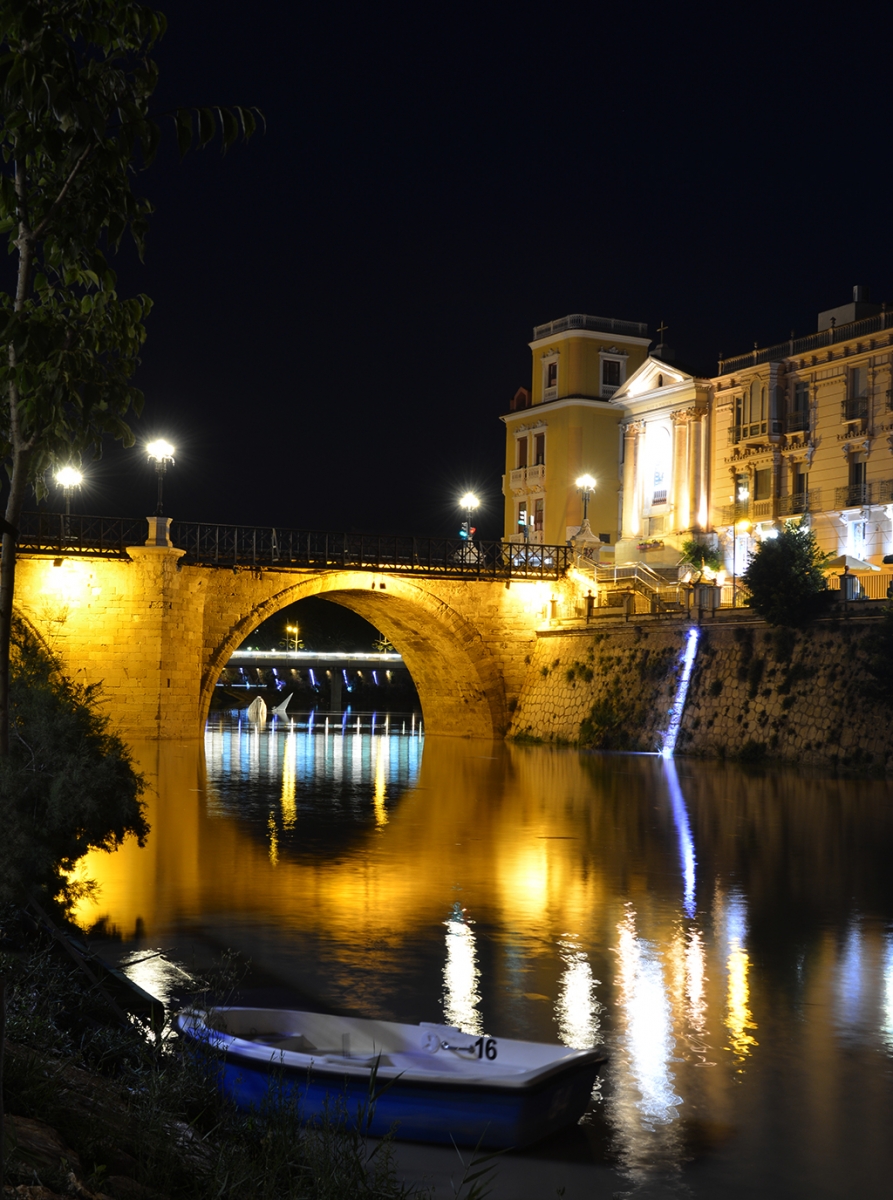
pixel 536 477
pixel 608 390
pixel 854 408
pixel 799 502
pixel 797 422
pixel 857 495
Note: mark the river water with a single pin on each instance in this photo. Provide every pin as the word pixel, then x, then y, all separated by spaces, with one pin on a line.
pixel 726 934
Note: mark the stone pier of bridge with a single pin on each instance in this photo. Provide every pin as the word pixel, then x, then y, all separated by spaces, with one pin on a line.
pixel 155 633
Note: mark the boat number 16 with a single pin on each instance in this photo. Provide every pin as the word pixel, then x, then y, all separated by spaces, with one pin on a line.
pixel 486 1047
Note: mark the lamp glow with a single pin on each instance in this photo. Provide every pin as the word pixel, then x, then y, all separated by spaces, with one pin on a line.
pixel 586 484
pixel 161 453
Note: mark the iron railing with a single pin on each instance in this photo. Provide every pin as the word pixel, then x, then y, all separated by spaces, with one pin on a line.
pixel 273 547
pixel 799 502
pixel 98 537
pixel 854 408
pixel 797 422
pixel 813 341
pixel 876 491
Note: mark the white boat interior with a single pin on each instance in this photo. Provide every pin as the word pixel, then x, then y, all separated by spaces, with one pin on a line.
pixel 355 1044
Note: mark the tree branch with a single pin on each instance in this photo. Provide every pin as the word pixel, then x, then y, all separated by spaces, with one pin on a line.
pixel 38 232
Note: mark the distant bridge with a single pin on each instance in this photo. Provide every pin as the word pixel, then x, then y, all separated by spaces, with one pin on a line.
pixel 156 619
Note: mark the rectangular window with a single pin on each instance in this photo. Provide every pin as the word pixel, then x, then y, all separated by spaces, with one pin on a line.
pixel 538 509
pixel 522 452
pixel 539 449
pixel 551 374
pixel 858 382
pixel 742 489
pixel 611 372
pixel 800 488
pixel 798 414
pixel 522 515
pixel 762 484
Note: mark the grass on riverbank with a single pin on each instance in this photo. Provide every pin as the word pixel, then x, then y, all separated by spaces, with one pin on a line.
pixel 131 1117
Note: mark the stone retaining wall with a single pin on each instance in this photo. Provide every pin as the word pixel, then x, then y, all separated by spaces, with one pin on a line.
pixel 755 692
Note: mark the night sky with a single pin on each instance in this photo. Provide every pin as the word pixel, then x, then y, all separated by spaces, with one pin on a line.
pixel 342 308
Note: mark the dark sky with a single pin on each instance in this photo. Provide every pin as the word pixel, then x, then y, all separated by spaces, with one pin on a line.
pixel 342 308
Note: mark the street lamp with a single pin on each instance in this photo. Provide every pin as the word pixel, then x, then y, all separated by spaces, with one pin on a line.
pixel 586 484
pixel 161 453
pixel 68 478
pixel 291 631
pixel 469 502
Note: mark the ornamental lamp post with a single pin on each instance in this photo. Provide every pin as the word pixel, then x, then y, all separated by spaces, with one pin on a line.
pixel 161 453
pixel 68 478
pixel 586 484
pixel 469 502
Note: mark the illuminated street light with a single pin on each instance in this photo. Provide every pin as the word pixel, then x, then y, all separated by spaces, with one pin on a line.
pixel 291 635
pixel 161 453
pixel 469 502
pixel 68 478
pixel 586 484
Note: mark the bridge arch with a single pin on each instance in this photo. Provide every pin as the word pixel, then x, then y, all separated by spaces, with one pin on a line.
pixel 460 684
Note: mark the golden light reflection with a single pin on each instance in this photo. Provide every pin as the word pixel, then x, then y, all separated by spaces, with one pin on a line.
pixel 461 976
pixel 731 912
pixel 577 1009
pixel 738 1018
pixel 648 1043
pixel 274 840
pixel 289 782
pixel 382 749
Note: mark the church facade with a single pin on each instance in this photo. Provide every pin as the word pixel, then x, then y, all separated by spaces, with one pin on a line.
pixel 798 431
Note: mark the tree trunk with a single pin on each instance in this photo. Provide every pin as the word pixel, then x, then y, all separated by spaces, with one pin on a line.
pixel 7 588
pixel 2 1113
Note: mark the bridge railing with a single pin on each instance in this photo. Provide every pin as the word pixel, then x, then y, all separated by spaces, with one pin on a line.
pixel 268 546
pixel 59 533
pixel 241 545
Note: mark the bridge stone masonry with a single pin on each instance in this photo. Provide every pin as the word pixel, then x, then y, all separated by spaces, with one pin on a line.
pixel 154 624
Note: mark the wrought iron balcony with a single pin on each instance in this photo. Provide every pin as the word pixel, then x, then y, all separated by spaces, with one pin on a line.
pixel 797 422
pixel 853 495
pixel 799 502
pixel 854 408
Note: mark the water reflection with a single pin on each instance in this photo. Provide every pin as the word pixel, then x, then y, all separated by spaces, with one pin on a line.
pixel 461 976
pixel 331 858
pixel 577 1010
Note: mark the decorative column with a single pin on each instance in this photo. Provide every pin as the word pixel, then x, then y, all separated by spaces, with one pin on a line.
pixel 629 518
pixel 695 465
pixel 681 454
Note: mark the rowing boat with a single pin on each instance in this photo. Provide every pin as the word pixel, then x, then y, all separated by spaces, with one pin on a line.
pixel 432 1083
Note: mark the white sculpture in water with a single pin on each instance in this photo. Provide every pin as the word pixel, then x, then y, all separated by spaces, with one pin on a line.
pixel 257 710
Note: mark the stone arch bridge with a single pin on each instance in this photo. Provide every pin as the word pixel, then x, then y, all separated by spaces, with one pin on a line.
pixel 155 623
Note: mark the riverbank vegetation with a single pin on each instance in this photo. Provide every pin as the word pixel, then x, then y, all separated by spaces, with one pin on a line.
pixel 98 1108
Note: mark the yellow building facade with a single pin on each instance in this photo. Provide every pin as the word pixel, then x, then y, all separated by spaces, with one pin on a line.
pixel 803 430
pixel 800 430
pixel 565 425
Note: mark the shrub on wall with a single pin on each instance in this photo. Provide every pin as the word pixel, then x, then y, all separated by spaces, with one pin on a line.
pixel 67 785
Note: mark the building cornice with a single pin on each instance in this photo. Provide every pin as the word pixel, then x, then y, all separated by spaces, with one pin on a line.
pixel 610 339
pixel 522 414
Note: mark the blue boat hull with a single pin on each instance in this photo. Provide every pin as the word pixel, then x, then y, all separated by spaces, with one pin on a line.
pixel 459 1113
